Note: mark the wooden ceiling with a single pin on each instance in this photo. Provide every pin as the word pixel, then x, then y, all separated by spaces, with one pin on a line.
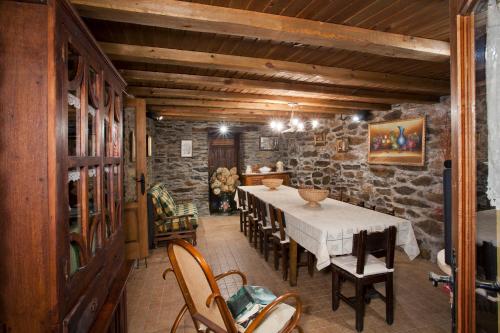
pixel 250 60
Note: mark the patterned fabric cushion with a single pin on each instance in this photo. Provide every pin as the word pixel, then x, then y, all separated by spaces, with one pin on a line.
pixel 165 206
pixel 163 202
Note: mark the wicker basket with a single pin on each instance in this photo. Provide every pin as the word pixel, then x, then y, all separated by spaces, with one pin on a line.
pixel 272 184
pixel 313 196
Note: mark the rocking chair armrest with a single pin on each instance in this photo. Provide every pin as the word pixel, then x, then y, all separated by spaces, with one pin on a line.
pixel 233 272
pixel 266 311
pixel 211 326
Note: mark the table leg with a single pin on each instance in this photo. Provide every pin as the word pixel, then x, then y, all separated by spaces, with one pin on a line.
pixel 293 263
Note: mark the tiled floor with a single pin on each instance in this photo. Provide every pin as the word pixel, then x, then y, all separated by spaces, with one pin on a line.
pixel 154 303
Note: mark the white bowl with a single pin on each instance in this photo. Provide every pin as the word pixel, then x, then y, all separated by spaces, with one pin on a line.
pixel 265 169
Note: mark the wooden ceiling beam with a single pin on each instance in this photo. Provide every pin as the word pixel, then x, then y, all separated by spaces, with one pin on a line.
pixel 251 98
pixel 228 21
pixel 279 88
pixel 225 119
pixel 218 111
pixel 325 74
pixel 243 105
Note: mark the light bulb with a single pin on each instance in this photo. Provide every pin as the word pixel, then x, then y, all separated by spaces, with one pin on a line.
pixel 223 129
pixel 300 126
pixel 314 123
pixel 279 125
pixel 295 121
pixel 273 124
pixel 355 118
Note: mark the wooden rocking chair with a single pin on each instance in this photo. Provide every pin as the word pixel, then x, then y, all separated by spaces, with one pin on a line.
pixel 207 307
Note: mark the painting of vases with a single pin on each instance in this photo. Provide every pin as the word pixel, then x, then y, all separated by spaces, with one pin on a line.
pixel 400 142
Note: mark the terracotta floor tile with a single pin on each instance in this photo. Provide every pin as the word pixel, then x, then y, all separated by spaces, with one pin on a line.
pixel 153 303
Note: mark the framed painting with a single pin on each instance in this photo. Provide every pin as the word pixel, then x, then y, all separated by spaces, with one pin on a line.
pixel 186 148
pixel 397 142
pixel 269 143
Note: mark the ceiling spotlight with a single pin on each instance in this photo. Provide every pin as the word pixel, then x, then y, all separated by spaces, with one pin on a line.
pixel 279 125
pixel 314 123
pixel 160 118
pixel 295 121
pixel 300 127
pixel 273 124
pixel 292 104
pixel 223 129
pixel 356 118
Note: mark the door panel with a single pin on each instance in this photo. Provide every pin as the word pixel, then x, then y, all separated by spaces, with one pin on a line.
pixel 136 228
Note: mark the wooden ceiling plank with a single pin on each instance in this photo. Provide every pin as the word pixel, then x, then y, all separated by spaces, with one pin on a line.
pixel 204 18
pixel 261 66
pixel 244 105
pixel 251 98
pixel 280 88
pixel 186 110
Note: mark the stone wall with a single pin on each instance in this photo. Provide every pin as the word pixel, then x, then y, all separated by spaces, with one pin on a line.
pixel 187 178
pixel 415 193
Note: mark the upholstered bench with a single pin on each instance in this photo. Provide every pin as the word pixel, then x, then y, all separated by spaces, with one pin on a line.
pixel 170 220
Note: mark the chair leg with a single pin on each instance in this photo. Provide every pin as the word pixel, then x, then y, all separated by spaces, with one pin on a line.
pixel 261 240
pixel 360 305
pixel 389 299
pixel 284 262
pixel 266 245
pixel 178 319
pixel 276 248
pixel 245 224
pixel 250 230
pixel 241 221
pixel 256 234
pixel 335 289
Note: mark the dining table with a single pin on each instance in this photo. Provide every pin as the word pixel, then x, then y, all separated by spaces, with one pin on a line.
pixel 328 230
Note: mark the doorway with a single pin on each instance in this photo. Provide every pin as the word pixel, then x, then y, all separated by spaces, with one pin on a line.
pixel 223 152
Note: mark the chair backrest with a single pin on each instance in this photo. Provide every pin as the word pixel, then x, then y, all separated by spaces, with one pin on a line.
pixel 273 219
pixel 280 217
pixel 385 210
pixel 250 202
pixel 255 206
pixel 263 212
pixel 379 244
pixel 242 198
pixel 197 283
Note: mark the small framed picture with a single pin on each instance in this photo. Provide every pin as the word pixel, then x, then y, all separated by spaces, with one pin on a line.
pixel 320 139
pixel 342 145
pixel 269 143
pixel 186 148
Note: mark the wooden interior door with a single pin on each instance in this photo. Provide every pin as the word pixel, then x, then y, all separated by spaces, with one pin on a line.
pixel 136 223
pixel 223 151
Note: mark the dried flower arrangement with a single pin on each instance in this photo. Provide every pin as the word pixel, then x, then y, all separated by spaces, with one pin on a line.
pixel 224 180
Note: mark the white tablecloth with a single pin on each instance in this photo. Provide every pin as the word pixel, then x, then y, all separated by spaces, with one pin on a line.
pixel 328 230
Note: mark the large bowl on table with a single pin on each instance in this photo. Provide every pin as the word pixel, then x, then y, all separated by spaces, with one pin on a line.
pixel 313 196
pixel 271 183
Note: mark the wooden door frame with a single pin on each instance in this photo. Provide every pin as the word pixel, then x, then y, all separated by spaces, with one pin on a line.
pixel 463 114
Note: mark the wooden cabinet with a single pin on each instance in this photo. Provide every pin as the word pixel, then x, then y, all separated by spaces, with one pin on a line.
pixel 62 261
pixel 256 178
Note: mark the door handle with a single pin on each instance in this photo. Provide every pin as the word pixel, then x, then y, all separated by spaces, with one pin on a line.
pixel 437 279
pixel 142 180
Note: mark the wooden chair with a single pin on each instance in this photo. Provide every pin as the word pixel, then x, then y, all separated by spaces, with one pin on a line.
pixel 264 230
pixel 208 308
pixel 356 201
pixel 365 269
pixel 281 244
pixel 243 208
pixel 251 217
